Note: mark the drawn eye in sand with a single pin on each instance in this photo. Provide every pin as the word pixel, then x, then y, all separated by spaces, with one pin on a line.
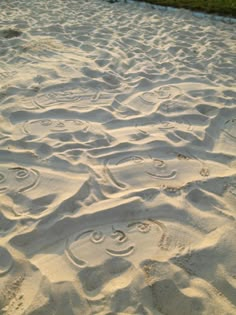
pixel 6 261
pixel 18 179
pixel 143 171
pixel 45 126
pixel 81 98
pixel 148 102
pixel 120 240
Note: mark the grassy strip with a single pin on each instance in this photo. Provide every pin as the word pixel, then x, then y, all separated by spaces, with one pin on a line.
pixel 221 7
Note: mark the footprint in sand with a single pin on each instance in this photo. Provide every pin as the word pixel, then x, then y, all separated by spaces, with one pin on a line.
pixel 227 140
pixel 230 129
pixel 148 102
pixel 16 277
pixel 18 179
pixel 118 240
pixel 6 261
pixel 82 99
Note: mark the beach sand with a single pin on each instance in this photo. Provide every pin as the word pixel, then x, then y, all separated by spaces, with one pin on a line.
pixel 117 160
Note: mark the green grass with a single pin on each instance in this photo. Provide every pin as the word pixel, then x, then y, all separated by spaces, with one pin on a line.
pixel 221 7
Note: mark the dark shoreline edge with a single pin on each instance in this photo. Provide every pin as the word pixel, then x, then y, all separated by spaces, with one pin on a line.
pixel 212 7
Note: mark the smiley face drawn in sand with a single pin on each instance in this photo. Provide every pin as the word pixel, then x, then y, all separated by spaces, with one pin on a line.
pixel 184 124
pixel 147 102
pixel 18 179
pixel 148 171
pixel 119 240
pixel 46 126
pixel 165 126
pixel 83 99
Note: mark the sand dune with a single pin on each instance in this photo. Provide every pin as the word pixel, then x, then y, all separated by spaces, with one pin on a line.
pixel 117 160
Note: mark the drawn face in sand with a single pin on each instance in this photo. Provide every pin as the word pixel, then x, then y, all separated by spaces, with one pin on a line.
pixel 18 179
pixel 174 125
pixel 47 126
pixel 165 126
pixel 143 171
pixel 119 240
pixel 148 102
pixel 81 98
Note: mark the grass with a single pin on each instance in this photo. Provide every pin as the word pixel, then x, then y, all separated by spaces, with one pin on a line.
pixel 221 7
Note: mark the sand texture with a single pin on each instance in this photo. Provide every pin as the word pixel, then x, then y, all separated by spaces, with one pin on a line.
pixel 117 160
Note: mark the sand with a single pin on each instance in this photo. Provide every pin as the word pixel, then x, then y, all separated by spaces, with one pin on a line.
pixel 117 160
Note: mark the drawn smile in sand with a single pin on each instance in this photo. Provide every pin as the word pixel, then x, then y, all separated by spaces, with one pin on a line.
pixel 144 171
pixel 45 126
pixel 120 240
pixel 81 98
pixel 18 179
pixel 148 102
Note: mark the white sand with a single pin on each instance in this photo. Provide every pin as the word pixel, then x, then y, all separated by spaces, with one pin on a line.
pixel 117 160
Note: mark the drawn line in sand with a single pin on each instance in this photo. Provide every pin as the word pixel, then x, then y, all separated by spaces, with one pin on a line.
pixel 18 179
pixel 113 242
pixel 6 261
pixel 37 127
pixel 120 253
pixel 165 176
pixel 80 98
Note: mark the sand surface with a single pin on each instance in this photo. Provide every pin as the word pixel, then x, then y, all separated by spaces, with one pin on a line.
pixel 117 160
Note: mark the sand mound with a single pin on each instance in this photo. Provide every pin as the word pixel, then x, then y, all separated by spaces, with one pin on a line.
pixel 117 160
